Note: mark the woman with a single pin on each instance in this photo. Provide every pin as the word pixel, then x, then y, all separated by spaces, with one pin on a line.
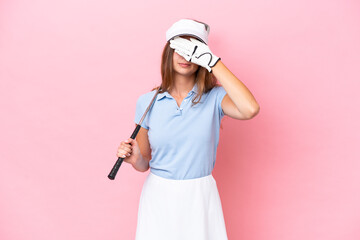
pixel 179 137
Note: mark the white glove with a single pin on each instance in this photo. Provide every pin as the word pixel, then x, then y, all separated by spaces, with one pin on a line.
pixel 194 51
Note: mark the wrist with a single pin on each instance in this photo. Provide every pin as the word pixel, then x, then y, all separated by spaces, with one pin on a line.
pixel 212 65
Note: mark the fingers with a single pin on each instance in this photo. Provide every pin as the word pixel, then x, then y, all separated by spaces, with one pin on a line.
pixel 181 43
pixel 187 57
pixel 125 149
pixel 129 140
pixel 123 154
pixel 181 49
pixel 194 40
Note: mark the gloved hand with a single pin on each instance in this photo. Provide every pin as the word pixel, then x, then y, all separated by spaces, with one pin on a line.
pixel 194 51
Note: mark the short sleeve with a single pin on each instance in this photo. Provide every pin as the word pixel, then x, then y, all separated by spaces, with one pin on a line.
pixel 139 112
pixel 220 94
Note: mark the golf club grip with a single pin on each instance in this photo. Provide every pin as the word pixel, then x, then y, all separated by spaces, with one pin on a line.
pixel 118 163
pixel 115 169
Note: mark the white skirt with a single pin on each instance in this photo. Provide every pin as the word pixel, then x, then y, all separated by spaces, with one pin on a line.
pixel 188 209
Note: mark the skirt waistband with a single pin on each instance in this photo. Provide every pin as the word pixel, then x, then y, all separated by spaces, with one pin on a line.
pixel 192 180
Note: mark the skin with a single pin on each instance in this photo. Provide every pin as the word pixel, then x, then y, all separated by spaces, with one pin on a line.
pixel 238 103
pixel 184 77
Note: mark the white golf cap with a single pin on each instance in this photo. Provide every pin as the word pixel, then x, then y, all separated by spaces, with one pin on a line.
pixel 189 27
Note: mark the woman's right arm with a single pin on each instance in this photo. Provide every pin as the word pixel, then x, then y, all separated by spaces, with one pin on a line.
pixel 137 151
pixel 142 163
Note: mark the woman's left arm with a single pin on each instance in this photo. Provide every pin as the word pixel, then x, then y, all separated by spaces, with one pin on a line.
pixel 238 103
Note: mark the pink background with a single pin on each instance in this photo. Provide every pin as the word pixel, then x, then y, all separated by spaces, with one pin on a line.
pixel 71 72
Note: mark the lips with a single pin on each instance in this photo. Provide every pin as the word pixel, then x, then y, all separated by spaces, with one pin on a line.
pixel 184 64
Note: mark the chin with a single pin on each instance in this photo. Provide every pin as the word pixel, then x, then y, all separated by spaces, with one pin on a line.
pixel 185 71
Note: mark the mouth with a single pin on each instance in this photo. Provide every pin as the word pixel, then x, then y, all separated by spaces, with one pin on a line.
pixel 184 64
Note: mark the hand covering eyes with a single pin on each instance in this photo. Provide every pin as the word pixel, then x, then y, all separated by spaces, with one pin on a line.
pixel 195 51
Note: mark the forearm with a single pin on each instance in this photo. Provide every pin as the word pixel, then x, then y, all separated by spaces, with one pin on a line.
pixel 141 164
pixel 237 91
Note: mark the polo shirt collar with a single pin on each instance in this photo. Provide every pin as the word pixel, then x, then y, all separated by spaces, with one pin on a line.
pixel 166 94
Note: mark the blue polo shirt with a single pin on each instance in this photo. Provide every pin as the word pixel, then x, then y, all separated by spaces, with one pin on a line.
pixel 183 139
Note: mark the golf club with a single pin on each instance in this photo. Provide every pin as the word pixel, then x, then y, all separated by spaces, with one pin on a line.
pixel 119 161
